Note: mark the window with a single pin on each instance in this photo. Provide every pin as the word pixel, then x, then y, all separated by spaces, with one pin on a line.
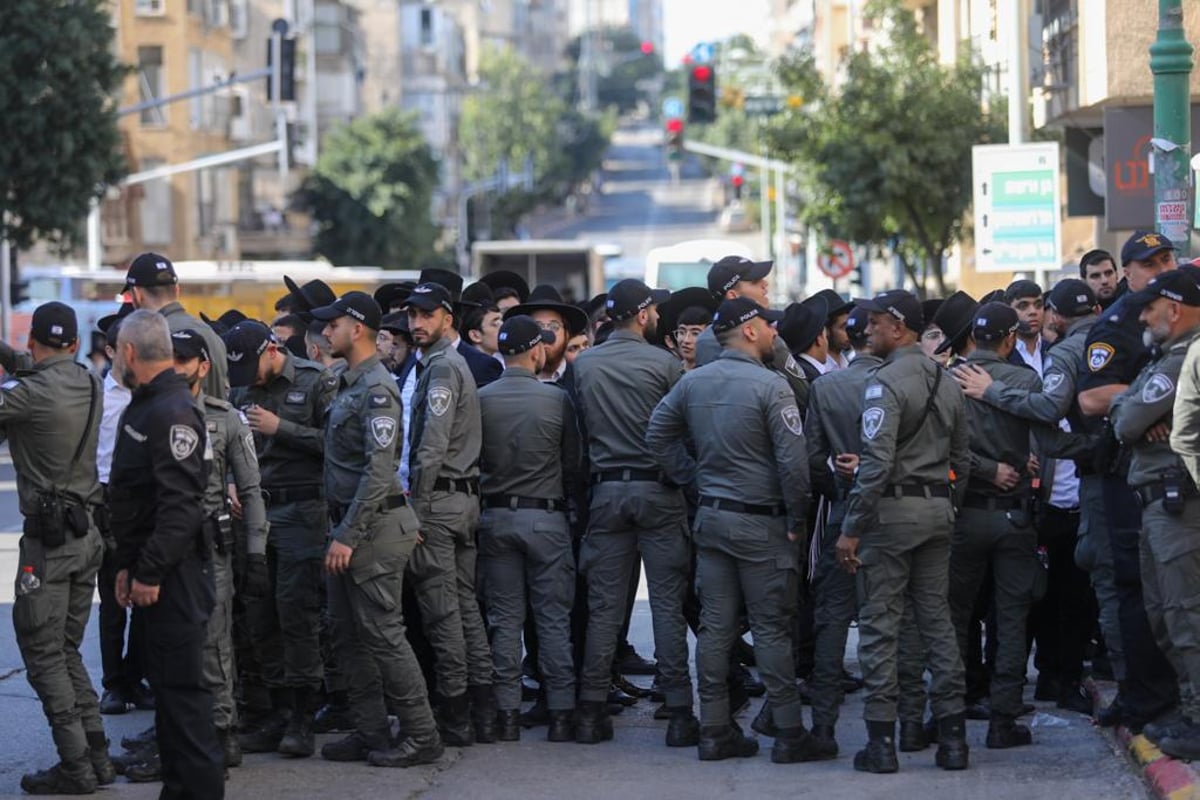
pixel 150 8
pixel 239 18
pixel 426 27
pixel 151 83
pixel 156 207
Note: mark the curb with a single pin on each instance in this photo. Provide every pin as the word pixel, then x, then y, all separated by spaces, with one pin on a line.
pixel 1167 778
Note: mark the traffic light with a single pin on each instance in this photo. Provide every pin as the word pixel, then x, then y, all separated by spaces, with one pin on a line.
pixel 18 290
pixel 287 69
pixel 702 94
pixel 738 182
pixel 647 48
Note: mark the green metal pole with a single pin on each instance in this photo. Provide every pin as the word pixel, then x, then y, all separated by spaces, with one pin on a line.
pixel 1171 63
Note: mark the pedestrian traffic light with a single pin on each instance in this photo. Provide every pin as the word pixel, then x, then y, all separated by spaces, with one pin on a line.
pixel 738 182
pixel 287 69
pixel 702 94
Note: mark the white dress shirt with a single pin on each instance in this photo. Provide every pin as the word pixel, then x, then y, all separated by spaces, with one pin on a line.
pixel 113 402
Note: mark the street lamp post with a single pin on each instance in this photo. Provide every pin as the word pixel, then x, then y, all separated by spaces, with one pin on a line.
pixel 1171 63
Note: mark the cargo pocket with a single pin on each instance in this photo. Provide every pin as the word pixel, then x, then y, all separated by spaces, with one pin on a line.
pixel 379 584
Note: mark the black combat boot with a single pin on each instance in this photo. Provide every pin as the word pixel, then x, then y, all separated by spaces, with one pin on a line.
pixel 796 745
pixel 1166 726
pixel 912 737
pixel 562 726
pixel 408 753
pixel 59 779
pixel 267 736
pixel 351 748
pixel 149 770
pixel 454 723
pixel 538 713
pixel 879 756
pixel 1182 743
pixel 764 723
pixel 1005 732
pixel 483 714
pixel 123 761
pixel 298 738
pixel 684 729
pixel 334 716
pixel 102 765
pixel 230 749
pixel 952 752
pixel 508 726
pixel 142 740
pixel 826 736
pixel 592 723
pixel 719 742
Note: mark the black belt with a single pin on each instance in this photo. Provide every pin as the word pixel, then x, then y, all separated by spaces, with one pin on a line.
pixel 513 502
pixel 1153 492
pixel 626 475
pixel 462 485
pixel 721 504
pixel 987 502
pixel 927 490
pixel 338 512
pixel 292 494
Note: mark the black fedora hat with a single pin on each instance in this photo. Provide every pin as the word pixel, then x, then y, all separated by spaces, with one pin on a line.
pixel 393 294
pixel 834 303
pixel 507 279
pixel 477 295
pixel 546 298
pixel 802 324
pixel 955 317
pixel 314 294
pixel 450 281
pixel 668 312
pixel 929 309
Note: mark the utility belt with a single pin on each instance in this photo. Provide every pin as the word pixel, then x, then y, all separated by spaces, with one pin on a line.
pixel 720 504
pixel 55 518
pixel 1173 489
pixel 627 475
pixel 280 495
pixel 514 503
pixel 337 512
pixel 219 531
pixel 459 485
pixel 926 490
pixel 993 502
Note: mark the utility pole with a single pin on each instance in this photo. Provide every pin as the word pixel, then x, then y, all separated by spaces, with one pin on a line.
pixel 1171 63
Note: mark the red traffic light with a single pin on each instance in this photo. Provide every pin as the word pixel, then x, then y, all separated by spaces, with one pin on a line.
pixel 702 73
pixel 737 180
pixel 647 48
pixel 674 125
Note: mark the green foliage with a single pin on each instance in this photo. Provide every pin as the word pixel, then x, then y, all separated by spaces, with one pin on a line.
pixel 58 78
pixel 886 160
pixel 370 193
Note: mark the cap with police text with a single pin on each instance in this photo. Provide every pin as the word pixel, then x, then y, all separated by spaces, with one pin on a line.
pixel 189 344
pixel 1071 298
pixel 54 325
pixel 1174 284
pixel 902 305
pixel 1142 245
pixel 150 269
pixel 244 343
pixel 994 321
pixel 521 334
pixel 430 297
pixel 630 296
pixel 738 311
pixel 731 270
pixel 359 306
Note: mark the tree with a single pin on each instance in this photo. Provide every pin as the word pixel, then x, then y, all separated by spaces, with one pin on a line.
pixel 371 190
pixel 886 159
pixel 58 78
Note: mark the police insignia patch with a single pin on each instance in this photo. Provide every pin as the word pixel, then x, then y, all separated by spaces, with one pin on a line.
pixel 183 441
pixel 1053 381
pixel 380 401
pixel 10 384
pixel 1099 355
pixel 439 400
pixel 872 422
pixel 1157 388
pixel 295 398
pixel 383 430
pixel 791 418
pixel 792 367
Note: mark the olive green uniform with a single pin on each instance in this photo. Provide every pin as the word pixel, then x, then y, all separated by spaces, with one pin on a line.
pixel 217 382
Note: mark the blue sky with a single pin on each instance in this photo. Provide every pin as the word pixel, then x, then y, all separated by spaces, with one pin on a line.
pixel 688 22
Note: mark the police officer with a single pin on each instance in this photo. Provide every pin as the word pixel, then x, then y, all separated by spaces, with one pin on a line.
pixel 444 444
pixel 530 457
pixel 151 283
pixel 50 414
pixel 896 532
pixel 374 533
pixel 156 493
pixel 285 400
pixel 636 507
pixel 753 484
pixel 232 449
pixel 1115 354
pixel 1169 306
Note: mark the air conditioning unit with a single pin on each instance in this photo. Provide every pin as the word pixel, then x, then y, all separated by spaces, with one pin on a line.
pixel 150 8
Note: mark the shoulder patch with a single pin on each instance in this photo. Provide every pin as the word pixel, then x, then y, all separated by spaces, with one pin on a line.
pixel 440 398
pixel 1053 381
pixel 791 418
pixel 792 367
pixel 379 400
pixel 874 392
pixel 1158 387
pixel 1099 354
pixel 296 397
pixel 10 384
pixel 330 382
pixel 872 421
pixel 383 431
pixel 183 441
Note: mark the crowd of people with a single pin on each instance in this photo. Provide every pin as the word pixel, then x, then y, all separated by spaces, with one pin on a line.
pixel 401 516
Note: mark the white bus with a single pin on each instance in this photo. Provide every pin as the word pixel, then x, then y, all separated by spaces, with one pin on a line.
pixel 686 264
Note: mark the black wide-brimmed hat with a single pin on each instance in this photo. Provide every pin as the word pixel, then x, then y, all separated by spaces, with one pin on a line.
pixel 314 294
pixel 546 298
pixel 393 294
pixel 834 303
pixel 955 317
pixel 507 279
pixel 668 312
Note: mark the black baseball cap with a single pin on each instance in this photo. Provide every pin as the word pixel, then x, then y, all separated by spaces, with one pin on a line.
pixel 244 343
pixel 189 344
pixel 520 334
pixel 994 321
pixel 430 296
pixel 802 324
pixel 856 324
pixel 738 311
pixel 1020 289
pixel 54 325
pixel 1174 284
pixel 1143 244
pixel 150 269
pixel 730 270
pixel 627 297
pixel 359 306
pixel 1071 298
pixel 900 304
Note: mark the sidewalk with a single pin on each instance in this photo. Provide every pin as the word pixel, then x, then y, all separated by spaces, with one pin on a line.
pixel 1167 778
